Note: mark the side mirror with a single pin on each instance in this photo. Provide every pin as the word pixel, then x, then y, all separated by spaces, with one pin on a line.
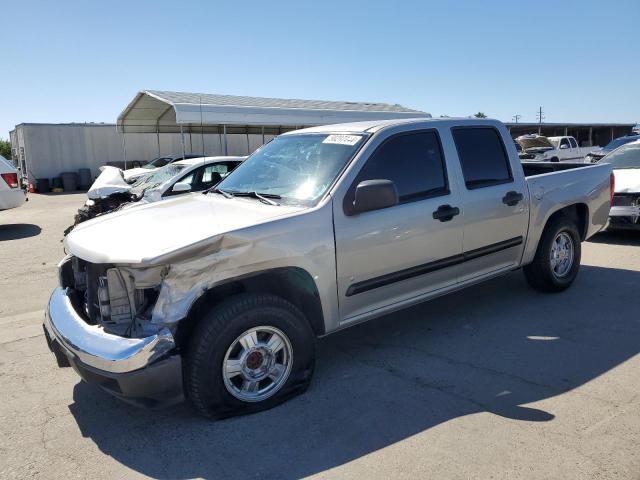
pixel 564 147
pixel 181 187
pixel 374 195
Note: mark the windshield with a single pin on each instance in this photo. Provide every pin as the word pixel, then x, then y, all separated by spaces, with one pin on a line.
pixel 298 168
pixel 618 142
pixel 157 163
pixel 627 156
pixel 157 178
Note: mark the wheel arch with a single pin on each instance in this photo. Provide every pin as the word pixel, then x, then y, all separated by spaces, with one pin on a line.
pixel 294 284
pixel 578 212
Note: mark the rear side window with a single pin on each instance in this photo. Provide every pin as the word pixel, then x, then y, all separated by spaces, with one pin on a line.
pixel 413 161
pixel 573 142
pixel 482 156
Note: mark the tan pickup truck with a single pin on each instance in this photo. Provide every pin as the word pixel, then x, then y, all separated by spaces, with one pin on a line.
pixel 220 296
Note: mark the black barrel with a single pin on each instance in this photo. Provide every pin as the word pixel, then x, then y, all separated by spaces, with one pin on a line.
pixel 42 185
pixel 69 181
pixel 84 178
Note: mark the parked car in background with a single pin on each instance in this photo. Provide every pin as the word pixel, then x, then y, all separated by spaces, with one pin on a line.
pixel 132 174
pixel 11 194
pixel 552 149
pixel 110 191
pixel 220 296
pixel 595 155
pixel 625 209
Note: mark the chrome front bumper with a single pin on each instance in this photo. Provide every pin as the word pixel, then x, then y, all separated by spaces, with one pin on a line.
pixel 95 348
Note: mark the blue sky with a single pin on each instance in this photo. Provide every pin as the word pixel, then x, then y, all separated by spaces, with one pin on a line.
pixel 84 61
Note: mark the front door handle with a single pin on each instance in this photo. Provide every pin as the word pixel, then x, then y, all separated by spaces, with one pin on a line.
pixel 444 213
pixel 512 198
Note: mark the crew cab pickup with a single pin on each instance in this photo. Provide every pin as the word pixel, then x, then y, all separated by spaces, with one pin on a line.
pixel 219 296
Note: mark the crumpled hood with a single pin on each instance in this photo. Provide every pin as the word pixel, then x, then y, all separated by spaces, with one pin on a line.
pixel 132 173
pixel 627 180
pixel 143 234
pixel 110 181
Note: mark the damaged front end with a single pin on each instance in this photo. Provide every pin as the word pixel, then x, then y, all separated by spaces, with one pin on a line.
pixel 99 322
pixel 109 192
pixel 100 206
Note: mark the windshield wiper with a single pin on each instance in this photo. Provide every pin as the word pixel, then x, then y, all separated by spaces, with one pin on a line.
pixel 263 197
pixel 221 192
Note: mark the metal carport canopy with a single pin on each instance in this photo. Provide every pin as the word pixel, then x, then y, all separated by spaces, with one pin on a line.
pixel 154 111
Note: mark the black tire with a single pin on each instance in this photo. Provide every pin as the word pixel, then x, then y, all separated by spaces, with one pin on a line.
pixel 217 330
pixel 555 159
pixel 539 273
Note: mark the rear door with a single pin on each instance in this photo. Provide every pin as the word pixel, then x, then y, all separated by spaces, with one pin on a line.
pixel 387 256
pixel 494 200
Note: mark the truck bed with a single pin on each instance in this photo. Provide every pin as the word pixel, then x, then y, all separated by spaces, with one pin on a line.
pixel 539 168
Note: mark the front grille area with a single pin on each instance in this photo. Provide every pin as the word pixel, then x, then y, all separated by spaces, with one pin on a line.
pixel 107 296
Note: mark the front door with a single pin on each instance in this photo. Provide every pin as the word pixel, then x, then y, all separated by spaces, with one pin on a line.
pixel 387 256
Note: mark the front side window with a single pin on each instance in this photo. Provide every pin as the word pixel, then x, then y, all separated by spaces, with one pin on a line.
pixel 297 168
pixel 564 143
pixel 413 162
pixel 482 156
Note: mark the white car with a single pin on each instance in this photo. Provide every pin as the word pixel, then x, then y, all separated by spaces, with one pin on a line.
pixel 11 195
pixel 625 207
pixel 111 191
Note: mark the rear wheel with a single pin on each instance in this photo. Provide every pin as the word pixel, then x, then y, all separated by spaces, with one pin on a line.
pixel 557 260
pixel 250 353
pixel 555 159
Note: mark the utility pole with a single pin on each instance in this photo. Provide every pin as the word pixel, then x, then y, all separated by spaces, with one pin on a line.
pixel 516 118
pixel 540 116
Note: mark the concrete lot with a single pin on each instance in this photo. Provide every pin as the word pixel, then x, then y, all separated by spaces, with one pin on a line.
pixel 497 381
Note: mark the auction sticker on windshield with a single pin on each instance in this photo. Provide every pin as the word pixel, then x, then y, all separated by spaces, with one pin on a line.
pixel 350 140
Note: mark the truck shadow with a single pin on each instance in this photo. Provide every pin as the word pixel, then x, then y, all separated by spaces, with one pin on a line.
pixel 617 237
pixel 495 348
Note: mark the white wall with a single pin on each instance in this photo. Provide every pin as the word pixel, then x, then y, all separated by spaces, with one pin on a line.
pixel 53 149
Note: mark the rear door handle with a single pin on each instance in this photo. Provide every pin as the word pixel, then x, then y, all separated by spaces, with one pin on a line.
pixel 512 198
pixel 444 213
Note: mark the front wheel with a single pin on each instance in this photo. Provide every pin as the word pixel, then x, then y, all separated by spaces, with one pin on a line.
pixel 557 260
pixel 250 353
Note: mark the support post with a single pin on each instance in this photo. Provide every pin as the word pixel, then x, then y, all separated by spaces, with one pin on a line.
pixel 591 136
pixel 224 130
pixel 124 147
pixel 182 140
pixel 158 138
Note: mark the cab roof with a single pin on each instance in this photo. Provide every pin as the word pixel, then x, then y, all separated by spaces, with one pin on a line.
pixel 373 126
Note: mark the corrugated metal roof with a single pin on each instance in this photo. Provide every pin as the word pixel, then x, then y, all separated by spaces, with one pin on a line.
pixel 261 102
pixel 158 111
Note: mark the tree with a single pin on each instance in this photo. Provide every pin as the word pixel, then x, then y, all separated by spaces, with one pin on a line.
pixel 480 115
pixel 5 149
